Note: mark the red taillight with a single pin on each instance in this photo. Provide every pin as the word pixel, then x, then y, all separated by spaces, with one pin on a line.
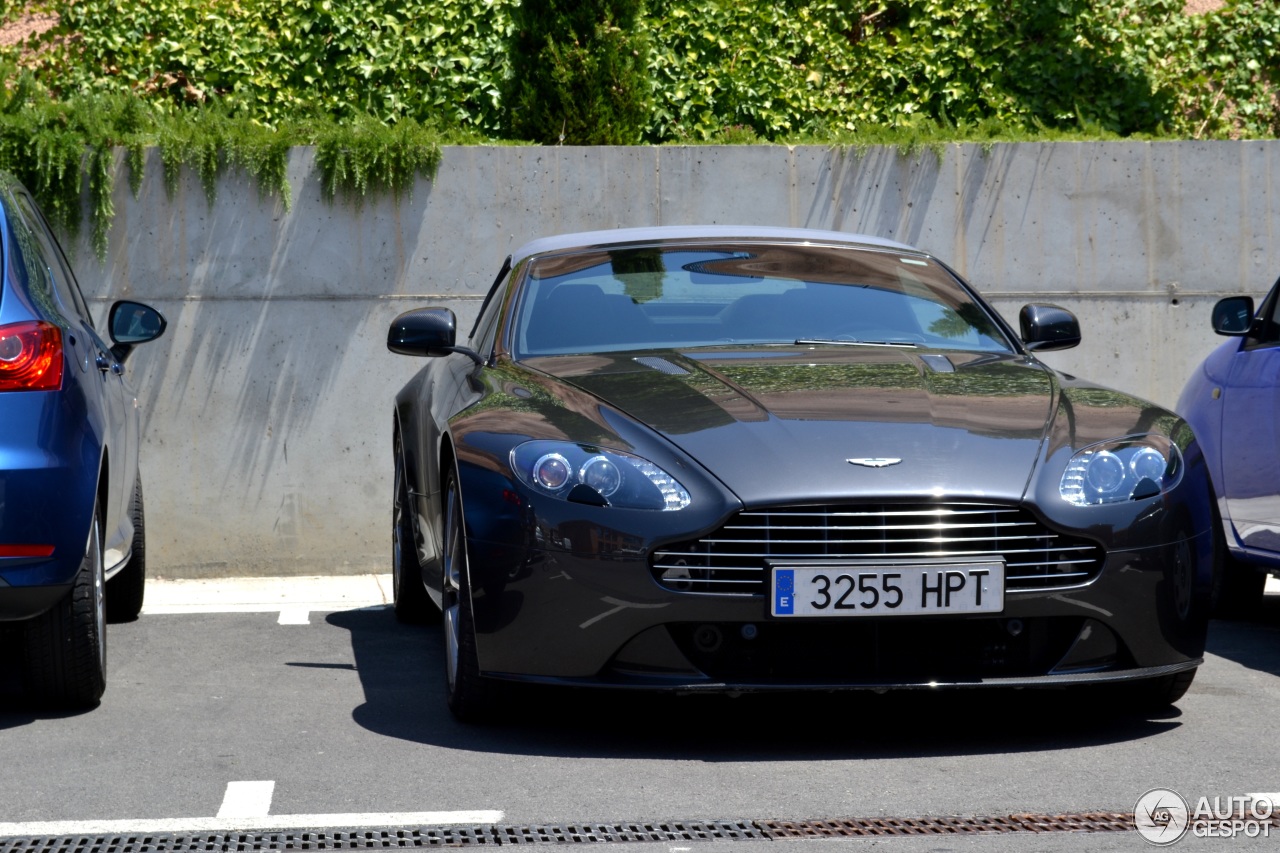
pixel 30 357
pixel 26 550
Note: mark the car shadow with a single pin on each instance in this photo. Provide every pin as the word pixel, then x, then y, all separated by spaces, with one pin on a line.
pixel 399 667
pixel 1252 641
pixel 13 697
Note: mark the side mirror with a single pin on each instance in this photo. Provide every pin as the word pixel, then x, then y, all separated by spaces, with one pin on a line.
pixel 427 331
pixel 423 332
pixel 1233 316
pixel 1048 327
pixel 132 323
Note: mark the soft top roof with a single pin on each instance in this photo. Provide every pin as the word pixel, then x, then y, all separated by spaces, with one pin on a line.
pixel 622 236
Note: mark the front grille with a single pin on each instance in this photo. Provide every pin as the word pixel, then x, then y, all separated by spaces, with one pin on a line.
pixel 734 559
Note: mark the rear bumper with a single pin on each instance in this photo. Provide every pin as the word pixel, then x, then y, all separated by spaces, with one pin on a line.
pixel 25 602
pixel 47 495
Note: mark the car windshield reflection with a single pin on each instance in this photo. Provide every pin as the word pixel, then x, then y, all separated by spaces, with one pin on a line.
pixel 677 297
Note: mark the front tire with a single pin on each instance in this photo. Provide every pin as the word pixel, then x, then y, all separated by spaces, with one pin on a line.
pixel 471 697
pixel 126 590
pixel 65 648
pixel 411 603
pixel 1238 592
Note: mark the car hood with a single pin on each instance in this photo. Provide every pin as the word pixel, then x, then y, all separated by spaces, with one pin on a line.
pixel 779 425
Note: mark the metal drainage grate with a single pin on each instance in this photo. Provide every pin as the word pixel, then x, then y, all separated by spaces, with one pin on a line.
pixel 356 839
pixel 594 832
pixel 1092 822
pixel 576 833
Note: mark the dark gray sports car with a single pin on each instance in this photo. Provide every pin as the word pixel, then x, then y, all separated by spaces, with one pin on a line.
pixel 735 459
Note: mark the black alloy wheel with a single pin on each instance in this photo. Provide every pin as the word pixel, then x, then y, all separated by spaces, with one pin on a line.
pixel 471 697
pixel 411 603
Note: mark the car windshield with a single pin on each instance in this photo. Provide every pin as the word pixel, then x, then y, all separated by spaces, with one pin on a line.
pixel 680 296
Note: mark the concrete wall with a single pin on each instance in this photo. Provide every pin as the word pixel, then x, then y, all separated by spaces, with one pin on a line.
pixel 267 405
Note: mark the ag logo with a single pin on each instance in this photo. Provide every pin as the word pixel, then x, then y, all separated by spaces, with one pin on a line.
pixel 1161 816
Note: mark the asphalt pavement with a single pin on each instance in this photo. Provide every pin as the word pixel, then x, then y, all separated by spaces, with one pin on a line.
pixel 272 704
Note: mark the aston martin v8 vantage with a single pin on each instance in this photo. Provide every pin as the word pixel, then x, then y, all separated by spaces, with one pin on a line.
pixel 747 459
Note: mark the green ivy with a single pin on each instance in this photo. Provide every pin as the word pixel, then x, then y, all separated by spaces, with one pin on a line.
pixel 378 85
pixel 371 156
pixel 272 59
pixel 782 71
pixel 826 68
pixel 54 147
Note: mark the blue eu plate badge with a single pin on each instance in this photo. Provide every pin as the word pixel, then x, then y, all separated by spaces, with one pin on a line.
pixel 784 587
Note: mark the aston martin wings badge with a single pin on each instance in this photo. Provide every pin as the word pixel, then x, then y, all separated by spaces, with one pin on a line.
pixel 874 462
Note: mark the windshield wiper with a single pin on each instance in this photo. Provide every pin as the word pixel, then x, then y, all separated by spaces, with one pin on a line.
pixel 834 343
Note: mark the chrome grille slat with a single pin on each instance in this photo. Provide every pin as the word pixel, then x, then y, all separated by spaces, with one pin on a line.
pixel 887 527
pixel 941 539
pixel 720 580
pixel 955 509
pixel 1061 576
pixel 734 559
pixel 719 568
pixel 933 525
pixel 1073 546
pixel 856 555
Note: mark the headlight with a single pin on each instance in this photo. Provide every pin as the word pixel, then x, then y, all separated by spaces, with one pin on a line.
pixel 1130 468
pixel 610 477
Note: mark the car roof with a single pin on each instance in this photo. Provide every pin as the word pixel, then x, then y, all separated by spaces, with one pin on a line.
pixel 680 233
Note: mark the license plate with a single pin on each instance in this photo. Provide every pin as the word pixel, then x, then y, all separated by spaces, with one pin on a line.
pixel 910 589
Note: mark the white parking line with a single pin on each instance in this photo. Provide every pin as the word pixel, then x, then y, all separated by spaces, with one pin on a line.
pixel 293 598
pixel 247 799
pixel 59 828
pixel 295 616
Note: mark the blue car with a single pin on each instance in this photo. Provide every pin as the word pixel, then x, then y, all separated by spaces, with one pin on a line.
pixel 71 513
pixel 1233 403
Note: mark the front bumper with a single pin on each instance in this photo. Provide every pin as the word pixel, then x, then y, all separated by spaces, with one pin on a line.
pixel 591 619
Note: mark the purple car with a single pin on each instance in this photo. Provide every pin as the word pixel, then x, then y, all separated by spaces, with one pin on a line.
pixel 1233 403
pixel 71 517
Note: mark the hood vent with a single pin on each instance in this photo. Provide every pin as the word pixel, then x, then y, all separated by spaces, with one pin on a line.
pixel 661 365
